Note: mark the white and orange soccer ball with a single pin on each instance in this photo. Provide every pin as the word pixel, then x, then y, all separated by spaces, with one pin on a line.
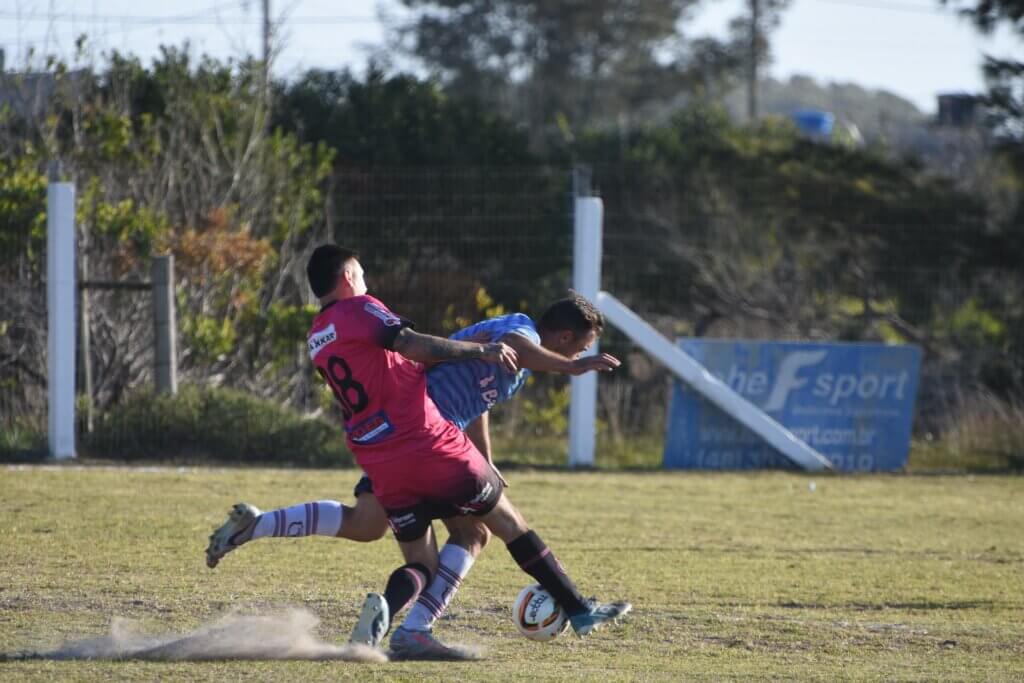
pixel 537 615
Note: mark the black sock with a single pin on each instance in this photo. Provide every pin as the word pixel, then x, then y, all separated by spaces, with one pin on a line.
pixel 404 586
pixel 536 560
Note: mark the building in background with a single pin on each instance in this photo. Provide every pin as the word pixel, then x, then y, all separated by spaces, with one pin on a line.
pixel 958 110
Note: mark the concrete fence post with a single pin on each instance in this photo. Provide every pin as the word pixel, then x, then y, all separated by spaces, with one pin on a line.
pixel 164 325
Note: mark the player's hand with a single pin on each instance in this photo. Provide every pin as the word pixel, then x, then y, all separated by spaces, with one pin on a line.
pixel 602 362
pixel 498 472
pixel 502 354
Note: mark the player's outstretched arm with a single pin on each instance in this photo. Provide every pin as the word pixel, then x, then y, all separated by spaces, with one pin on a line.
pixel 539 359
pixel 426 348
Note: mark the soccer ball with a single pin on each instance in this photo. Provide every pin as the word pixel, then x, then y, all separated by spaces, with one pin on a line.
pixel 537 615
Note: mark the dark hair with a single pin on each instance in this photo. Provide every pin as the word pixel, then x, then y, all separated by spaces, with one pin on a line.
pixel 573 313
pixel 325 265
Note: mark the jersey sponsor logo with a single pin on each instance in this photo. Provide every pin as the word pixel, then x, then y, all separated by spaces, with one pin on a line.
pixel 386 316
pixel 399 522
pixel 321 339
pixel 372 430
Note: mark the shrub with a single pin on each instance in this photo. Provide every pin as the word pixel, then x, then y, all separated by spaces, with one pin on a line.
pixel 987 434
pixel 213 424
pixel 22 439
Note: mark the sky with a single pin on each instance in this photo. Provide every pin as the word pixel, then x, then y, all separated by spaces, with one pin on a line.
pixel 913 48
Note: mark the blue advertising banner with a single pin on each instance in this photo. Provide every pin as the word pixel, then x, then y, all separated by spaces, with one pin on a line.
pixel 853 403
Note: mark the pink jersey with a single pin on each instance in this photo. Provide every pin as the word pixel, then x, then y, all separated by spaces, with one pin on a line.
pixel 383 395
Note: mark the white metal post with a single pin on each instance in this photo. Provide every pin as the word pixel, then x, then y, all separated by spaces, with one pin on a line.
pixel 60 300
pixel 586 277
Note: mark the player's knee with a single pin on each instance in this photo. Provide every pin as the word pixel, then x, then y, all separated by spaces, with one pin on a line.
pixel 473 538
pixel 484 538
pixel 369 533
pixel 364 523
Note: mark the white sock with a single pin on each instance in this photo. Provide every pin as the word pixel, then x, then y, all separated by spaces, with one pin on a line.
pixel 322 517
pixel 453 564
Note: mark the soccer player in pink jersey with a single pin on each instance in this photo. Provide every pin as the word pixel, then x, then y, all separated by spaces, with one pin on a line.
pixel 422 466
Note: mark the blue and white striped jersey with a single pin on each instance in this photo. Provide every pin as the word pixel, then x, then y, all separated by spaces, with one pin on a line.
pixel 464 390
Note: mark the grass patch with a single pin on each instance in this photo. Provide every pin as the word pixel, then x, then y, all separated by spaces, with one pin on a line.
pixel 552 452
pixel 733 576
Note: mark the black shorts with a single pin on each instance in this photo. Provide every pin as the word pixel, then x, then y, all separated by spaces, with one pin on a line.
pixel 473 490
pixel 364 485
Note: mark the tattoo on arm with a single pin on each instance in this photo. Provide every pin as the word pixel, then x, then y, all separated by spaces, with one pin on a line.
pixel 427 348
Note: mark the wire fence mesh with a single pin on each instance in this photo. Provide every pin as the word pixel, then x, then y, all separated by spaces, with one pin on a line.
pixel 695 254
pixel 22 341
pixel 749 257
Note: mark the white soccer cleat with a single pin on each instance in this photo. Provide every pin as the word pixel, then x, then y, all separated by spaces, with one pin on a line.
pixel 374 622
pixel 236 531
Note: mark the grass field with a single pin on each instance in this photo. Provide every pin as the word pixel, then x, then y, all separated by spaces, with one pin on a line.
pixel 733 576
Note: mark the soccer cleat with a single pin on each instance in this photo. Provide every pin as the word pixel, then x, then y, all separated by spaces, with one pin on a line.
pixel 374 621
pixel 598 615
pixel 232 533
pixel 408 644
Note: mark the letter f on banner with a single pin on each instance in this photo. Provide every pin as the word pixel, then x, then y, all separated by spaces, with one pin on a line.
pixel 787 380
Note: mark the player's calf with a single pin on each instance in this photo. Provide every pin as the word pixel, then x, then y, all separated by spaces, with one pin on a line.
pixel 246 523
pixel 536 559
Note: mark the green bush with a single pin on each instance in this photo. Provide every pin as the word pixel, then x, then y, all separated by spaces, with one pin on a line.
pixel 213 424
pixel 22 439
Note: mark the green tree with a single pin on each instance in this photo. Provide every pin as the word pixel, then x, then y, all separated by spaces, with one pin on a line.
pixel 1005 107
pixel 429 186
pixel 171 156
pixel 563 65
pixel 397 120
pixel 1004 76
pixel 729 231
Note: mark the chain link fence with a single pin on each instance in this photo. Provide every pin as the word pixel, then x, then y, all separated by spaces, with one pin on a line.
pixel 747 257
pixel 22 347
pixel 695 254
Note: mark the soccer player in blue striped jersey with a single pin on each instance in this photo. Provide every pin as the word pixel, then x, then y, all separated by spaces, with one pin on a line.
pixel 467 390
pixel 464 393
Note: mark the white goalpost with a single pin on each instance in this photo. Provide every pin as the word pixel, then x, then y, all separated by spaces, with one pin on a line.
pixel 60 306
pixel 62 288
pixel 588 221
pixel 586 276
